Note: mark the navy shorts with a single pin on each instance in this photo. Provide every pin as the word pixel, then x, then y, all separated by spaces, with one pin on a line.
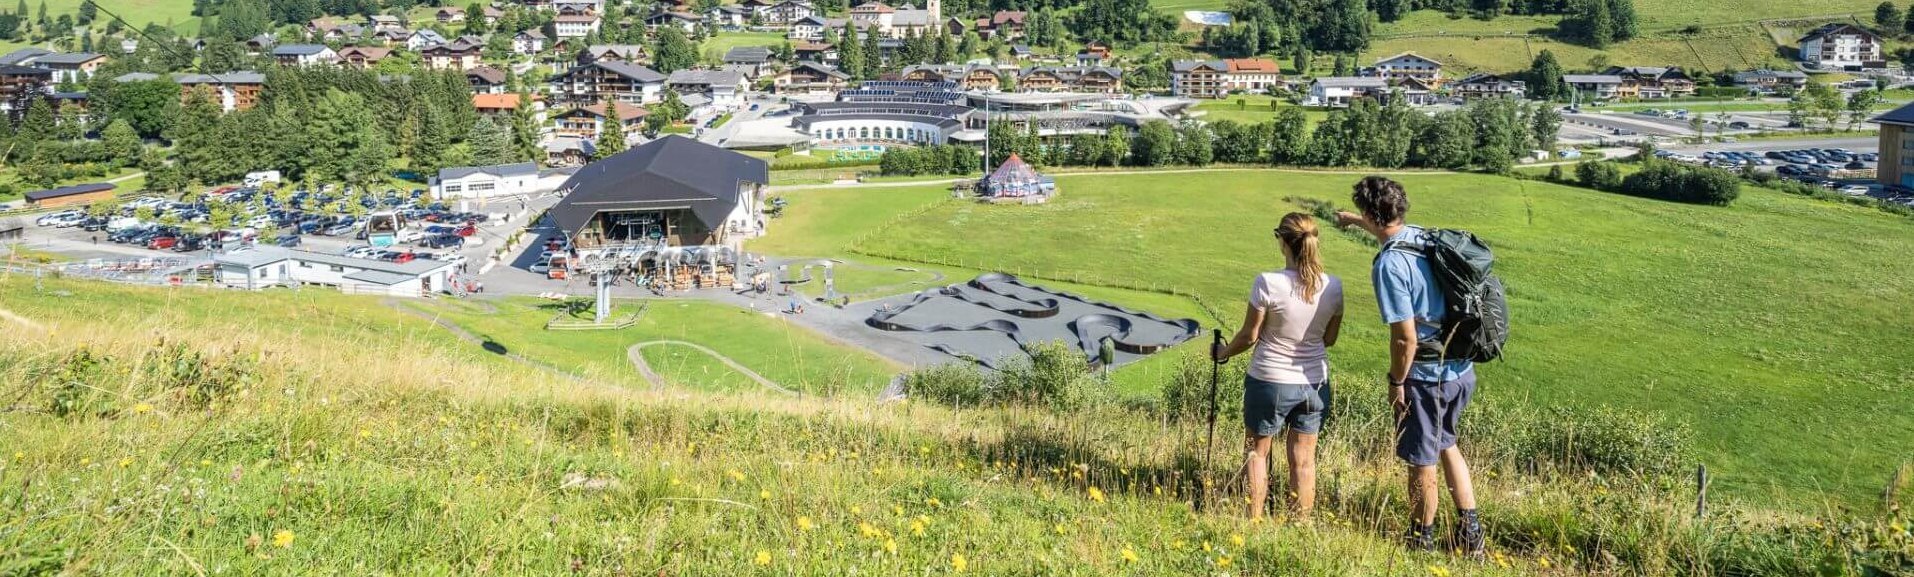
pixel 1434 410
pixel 1268 407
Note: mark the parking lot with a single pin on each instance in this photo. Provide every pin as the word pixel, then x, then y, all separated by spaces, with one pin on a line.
pixel 1846 165
pixel 1599 125
pixel 405 226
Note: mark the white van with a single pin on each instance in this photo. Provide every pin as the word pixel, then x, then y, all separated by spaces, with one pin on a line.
pixel 256 179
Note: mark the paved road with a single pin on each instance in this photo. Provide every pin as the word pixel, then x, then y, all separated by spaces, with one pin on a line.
pixel 1857 144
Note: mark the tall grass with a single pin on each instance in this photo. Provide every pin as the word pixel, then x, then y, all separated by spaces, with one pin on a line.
pixel 227 451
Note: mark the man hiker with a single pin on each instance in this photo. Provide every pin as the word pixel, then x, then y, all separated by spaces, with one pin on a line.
pixel 1428 395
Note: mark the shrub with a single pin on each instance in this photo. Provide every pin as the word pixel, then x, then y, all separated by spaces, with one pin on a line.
pixel 1555 174
pixel 956 384
pixel 1053 374
pixel 1586 439
pixel 1598 175
pixel 1670 181
pixel 1187 394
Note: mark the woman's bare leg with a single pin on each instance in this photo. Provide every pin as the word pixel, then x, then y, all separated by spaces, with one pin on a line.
pixel 1257 464
pixel 1302 473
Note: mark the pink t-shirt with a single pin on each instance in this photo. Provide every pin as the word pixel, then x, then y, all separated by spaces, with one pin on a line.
pixel 1290 349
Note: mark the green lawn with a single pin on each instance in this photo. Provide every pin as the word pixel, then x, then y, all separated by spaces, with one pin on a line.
pixel 791 356
pixel 715 47
pixel 1777 327
pixel 1254 108
pixel 1732 47
pixel 176 13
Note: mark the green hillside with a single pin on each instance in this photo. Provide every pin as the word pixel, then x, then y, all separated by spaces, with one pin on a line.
pixel 1776 327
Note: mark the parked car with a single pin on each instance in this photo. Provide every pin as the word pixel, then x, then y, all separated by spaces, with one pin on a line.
pixel 288 240
pixel 444 241
pixel 1853 190
pixel 162 242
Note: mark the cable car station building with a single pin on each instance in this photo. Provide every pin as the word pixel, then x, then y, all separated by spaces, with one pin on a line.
pixel 670 192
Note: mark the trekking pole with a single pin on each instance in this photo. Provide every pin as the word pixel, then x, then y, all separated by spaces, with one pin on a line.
pixel 1209 444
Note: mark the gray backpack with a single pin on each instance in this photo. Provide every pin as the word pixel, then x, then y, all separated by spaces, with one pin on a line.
pixel 1475 319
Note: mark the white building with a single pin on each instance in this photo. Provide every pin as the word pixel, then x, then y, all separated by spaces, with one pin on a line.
pixel 486 181
pixel 262 267
pixel 528 42
pixel 1596 86
pixel 1409 65
pixel 1843 46
pixel 574 25
pixel 304 54
pixel 1339 91
pixel 726 88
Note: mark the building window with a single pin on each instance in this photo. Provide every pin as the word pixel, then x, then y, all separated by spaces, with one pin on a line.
pixel 336 268
pixel 481 186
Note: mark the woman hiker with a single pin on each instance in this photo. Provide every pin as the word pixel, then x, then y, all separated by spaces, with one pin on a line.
pixel 1293 318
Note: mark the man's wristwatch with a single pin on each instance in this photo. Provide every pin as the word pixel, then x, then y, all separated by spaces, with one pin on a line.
pixel 1393 382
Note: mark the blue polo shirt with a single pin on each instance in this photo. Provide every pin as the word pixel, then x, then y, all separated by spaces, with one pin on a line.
pixel 1406 289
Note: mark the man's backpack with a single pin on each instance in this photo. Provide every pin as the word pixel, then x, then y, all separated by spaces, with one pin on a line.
pixel 1475 320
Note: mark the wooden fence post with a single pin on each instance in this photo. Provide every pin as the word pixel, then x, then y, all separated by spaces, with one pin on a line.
pixel 1701 491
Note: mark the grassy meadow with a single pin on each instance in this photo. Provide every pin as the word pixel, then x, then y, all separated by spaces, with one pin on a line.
pixel 788 355
pixel 168 431
pixel 1772 326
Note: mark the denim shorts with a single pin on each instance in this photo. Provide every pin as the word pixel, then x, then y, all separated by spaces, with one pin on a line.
pixel 1268 407
pixel 1434 410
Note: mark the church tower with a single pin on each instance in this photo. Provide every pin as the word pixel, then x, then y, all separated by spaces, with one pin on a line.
pixel 936 10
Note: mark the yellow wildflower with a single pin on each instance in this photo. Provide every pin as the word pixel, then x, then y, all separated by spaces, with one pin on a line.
pixel 19 455
pixel 142 408
pixel 1438 571
pixel 958 564
pixel 857 510
pixel 764 557
pixel 735 475
pixel 282 539
pixel 1207 547
pixel 1060 529
pixel 890 546
pixel 934 502
pixel 804 524
pixel 764 494
pixel 917 528
pixel 1236 539
pixel 675 481
pixel 124 462
pixel 897 509
pixel 867 529
pixel 1096 494
pixel 363 433
pixel 1543 562
pixel 1222 561
pixel 1129 555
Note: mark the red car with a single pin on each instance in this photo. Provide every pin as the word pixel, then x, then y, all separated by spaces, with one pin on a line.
pixel 162 242
pixel 467 230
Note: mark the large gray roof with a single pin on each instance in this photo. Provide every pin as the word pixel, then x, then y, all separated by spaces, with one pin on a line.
pixel 751 54
pixel 66 58
pixel 238 77
pixel 667 173
pixel 298 49
pixel 633 71
pixel 1903 116
pixel 23 55
pixel 707 77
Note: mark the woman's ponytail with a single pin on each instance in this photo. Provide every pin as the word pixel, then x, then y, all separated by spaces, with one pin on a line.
pixel 1298 232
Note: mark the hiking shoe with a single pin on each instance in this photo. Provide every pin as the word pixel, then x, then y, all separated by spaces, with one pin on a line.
pixel 1420 538
pixel 1468 535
